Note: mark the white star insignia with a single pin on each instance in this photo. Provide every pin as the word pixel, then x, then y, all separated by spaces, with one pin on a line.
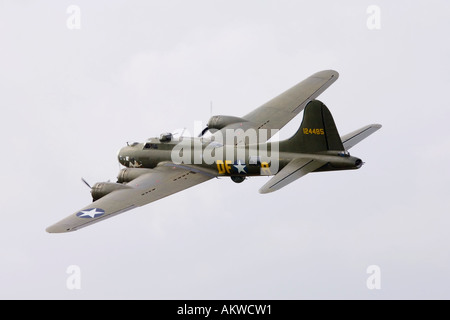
pixel 91 213
pixel 240 167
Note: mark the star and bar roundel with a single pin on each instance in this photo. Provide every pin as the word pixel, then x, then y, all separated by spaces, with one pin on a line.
pixel 91 213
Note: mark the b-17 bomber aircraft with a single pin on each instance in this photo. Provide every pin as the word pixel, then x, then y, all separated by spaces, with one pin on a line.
pixel 237 147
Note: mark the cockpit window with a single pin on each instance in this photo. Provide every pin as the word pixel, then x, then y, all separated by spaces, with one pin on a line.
pixel 149 145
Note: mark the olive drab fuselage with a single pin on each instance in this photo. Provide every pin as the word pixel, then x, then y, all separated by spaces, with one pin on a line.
pixel 226 160
pixel 218 160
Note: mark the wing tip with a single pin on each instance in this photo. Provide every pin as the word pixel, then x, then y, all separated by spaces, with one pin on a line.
pixel 267 188
pixel 56 228
pixel 332 74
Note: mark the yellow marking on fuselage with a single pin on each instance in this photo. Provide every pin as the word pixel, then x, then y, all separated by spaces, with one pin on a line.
pixel 265 170
pixel 222 167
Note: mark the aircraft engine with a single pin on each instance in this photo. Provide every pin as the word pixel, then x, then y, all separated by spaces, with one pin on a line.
pixel 219 122
pixel 129 174
pixel 101 189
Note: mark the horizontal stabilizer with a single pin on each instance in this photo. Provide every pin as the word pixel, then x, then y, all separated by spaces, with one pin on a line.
pixel 355 137
pixel 294 170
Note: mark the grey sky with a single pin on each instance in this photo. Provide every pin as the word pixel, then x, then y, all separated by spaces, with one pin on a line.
pixel 71 98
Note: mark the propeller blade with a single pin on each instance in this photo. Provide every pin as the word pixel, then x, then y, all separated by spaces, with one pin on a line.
pixel 85 182
pixel 203 132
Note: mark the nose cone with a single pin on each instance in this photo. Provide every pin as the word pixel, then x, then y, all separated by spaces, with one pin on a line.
pixel 129 156
pixel 122 155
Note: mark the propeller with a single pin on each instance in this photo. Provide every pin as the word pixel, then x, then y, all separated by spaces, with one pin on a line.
pixel 203 132
pixel 210 115
pixel 85 182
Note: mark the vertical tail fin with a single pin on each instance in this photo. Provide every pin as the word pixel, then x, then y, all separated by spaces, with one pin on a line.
pixel 317 132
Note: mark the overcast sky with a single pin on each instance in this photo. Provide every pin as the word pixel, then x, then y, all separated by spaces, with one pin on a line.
pixel 70 98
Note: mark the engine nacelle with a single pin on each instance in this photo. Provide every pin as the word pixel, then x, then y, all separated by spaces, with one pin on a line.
pixel 219 122
pixel 101 189
pixel 129 174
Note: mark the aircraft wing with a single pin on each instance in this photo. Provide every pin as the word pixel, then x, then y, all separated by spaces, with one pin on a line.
pixel 351 139
pixel 276 113
pixel 294 170
pixel 163 181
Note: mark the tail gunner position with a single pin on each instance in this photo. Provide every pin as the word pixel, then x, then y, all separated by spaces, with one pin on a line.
pixel 237 148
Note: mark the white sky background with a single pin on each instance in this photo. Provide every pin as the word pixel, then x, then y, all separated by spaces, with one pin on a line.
pixel 71 98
